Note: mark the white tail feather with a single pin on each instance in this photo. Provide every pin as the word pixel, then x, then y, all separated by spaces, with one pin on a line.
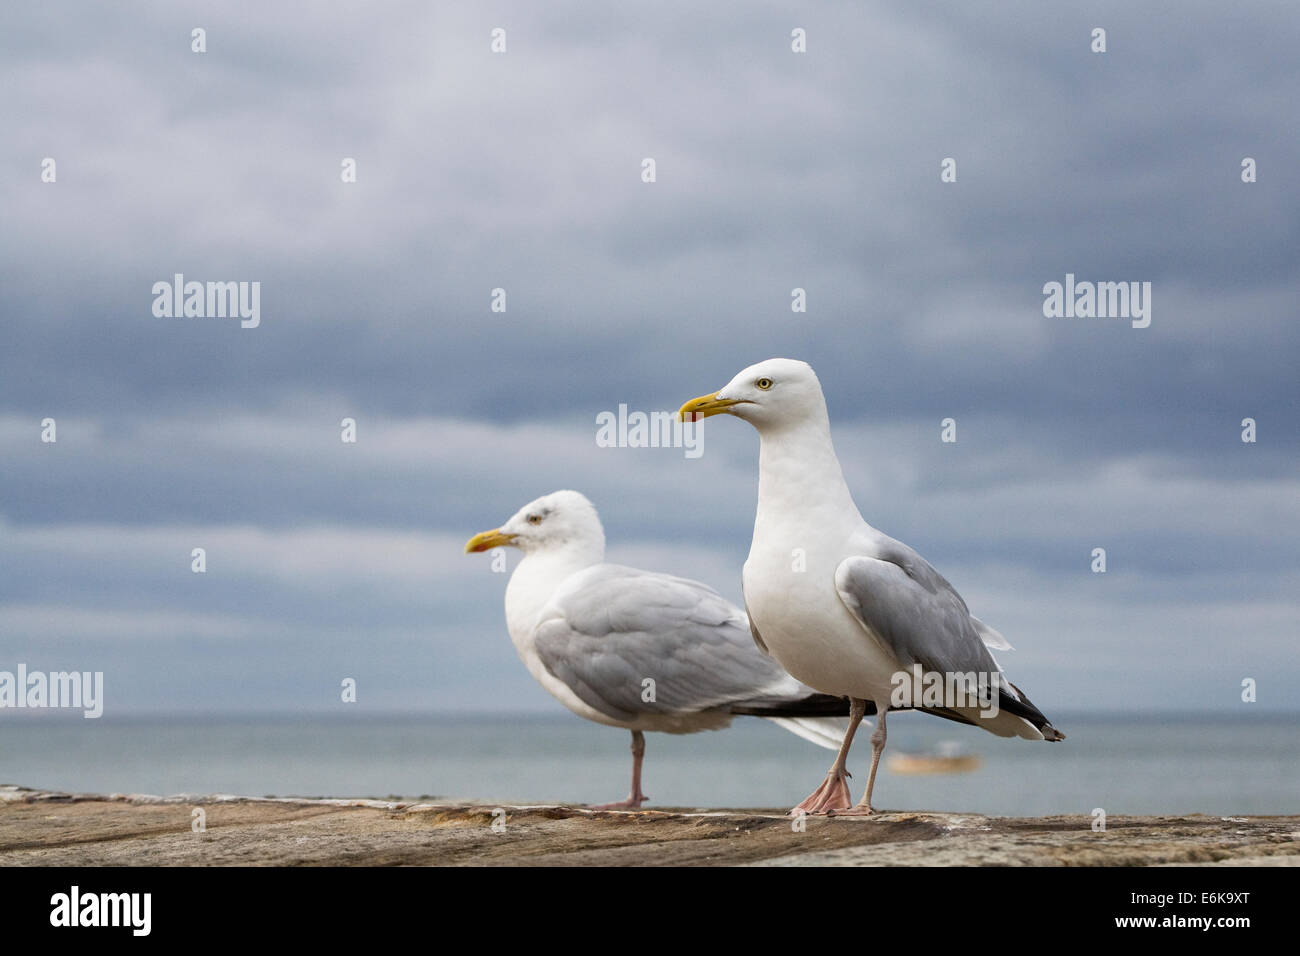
pixel 825 732
pixel 990 637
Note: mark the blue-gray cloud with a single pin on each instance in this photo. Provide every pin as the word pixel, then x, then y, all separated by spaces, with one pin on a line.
pixel 521 171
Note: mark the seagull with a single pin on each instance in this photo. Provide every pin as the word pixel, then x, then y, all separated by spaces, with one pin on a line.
pixel 637 649
pixel 845 608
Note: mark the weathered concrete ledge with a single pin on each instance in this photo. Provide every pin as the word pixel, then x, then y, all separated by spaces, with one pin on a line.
pixel 41 828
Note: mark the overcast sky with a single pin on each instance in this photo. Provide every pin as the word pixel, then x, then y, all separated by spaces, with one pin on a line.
pixel 522 170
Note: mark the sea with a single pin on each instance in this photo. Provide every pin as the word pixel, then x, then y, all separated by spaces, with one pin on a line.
pixel 1121 764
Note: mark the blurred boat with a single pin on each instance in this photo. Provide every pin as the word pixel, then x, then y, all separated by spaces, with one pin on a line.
pixel 948 757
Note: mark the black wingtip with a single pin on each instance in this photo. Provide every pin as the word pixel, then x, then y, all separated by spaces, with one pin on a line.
pixel 814 705
pixel 1025 709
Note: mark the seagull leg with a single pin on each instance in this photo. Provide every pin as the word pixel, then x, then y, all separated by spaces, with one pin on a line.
pixel 877 748
pixel 833 794
pixel 636 797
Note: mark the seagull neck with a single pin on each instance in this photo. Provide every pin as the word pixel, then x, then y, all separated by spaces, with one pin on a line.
pixel 799 473
pixel 538 575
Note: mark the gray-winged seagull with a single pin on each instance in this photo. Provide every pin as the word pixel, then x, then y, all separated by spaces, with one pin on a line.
pixel 637 649
pixel 859 614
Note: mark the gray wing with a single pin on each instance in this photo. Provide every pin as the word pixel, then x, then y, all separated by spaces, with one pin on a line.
pixel 912 608
pixel 611 628
pixel 907 604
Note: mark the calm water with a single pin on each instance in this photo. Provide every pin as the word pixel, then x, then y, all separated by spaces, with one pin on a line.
pixel 1133 764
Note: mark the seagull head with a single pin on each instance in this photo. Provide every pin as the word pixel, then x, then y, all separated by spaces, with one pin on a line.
pixel 557 520
pixel 775 393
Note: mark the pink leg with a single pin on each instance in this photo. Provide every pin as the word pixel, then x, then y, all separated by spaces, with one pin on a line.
pixel 877 748
pixel 636 797
pixel 833 794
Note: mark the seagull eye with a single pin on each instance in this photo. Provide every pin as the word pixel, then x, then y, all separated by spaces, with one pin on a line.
pixel 534 519
pixel 764 383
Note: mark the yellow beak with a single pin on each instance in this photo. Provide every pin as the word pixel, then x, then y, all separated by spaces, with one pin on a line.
pixel 704 406
pixel 486 540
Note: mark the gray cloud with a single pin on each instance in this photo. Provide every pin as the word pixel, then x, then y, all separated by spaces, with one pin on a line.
pixel 522 171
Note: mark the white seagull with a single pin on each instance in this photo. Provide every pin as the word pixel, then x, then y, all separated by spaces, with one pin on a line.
pixel 858 614
pixel 637 649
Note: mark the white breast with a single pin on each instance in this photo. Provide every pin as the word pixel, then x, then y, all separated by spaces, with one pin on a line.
pixel 806 626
